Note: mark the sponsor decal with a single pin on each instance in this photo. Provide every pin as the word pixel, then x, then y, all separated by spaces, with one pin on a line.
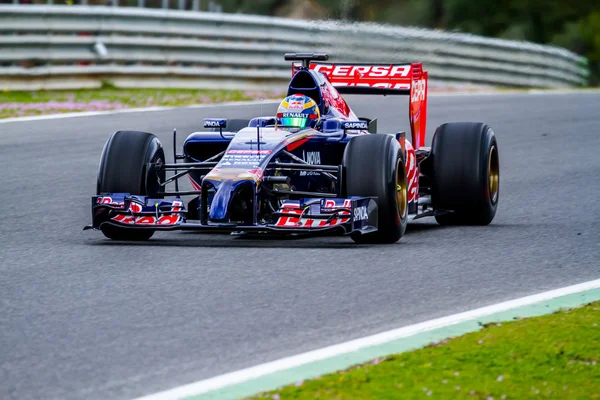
pixel 293 213
pixel 256 173
pixel 293 115
pixel 241 157
pixel 108 200
pixel 150 220
pixel 412 174
pixel 363 71
pixel 252 152
pixel 312 157
pixel 296 105
pixel 246 163
pixel 355 125
pixel 418 90
pixel 128 219
pixel 360 213
pixel 246 160
pixel 330 205
pixel 215 123
pixel 380 85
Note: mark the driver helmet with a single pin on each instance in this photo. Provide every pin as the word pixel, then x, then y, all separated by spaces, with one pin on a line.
pixel 298 111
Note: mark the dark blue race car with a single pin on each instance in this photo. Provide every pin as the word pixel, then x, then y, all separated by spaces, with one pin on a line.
pixel 312 168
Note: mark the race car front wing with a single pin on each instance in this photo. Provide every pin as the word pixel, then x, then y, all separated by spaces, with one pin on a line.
pixel 305 216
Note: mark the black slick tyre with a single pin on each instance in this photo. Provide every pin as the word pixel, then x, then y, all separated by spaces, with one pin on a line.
pixel 466 173
pixel 123 170
pixel 374 166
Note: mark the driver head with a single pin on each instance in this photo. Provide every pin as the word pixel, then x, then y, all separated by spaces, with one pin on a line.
pixel 298 111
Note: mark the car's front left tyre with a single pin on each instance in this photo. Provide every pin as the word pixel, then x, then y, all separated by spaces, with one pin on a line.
pixel 466 173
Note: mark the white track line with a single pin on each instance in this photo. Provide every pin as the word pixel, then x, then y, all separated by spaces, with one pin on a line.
pixel 131 110
pixel 257 371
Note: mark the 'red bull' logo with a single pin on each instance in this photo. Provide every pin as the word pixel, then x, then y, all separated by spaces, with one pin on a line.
pixel 294 215
pixel 107 200
pixel 131 219
pixel 296 105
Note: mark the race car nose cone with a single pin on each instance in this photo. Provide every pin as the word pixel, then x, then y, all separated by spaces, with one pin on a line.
pixel 219 210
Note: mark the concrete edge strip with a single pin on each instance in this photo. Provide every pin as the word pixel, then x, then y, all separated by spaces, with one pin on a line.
pixel 254 102
pixel 271 375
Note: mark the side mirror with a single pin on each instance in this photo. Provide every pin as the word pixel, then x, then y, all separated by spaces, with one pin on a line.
pixel 355 125
pixel 373 125
pixel 215 123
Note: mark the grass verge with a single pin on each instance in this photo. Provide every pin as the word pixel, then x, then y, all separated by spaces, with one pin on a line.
pixel 553 356
pixel 28 103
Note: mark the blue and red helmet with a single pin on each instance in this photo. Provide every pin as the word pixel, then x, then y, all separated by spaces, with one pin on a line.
pixel 298 111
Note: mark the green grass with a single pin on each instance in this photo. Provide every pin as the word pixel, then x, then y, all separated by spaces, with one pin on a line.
pixel 26 103
pixel 553 356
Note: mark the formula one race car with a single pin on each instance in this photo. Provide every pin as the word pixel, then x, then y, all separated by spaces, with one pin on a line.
pixel 313 168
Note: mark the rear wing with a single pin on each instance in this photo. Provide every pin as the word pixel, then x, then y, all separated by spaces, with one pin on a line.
pixel 384 79
pixel 376 79
pixel 369 78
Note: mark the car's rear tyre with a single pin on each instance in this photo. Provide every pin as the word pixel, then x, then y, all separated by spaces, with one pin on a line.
pixel 466 173
pixel 374 166
pixel 123 170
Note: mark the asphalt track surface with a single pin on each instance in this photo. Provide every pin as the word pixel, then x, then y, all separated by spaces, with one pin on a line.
pixel 84 317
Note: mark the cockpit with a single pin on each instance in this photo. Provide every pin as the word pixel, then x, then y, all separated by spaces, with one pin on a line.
pixel 304 83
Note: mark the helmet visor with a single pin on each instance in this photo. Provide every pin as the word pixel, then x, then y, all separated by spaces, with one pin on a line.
pixel 297 122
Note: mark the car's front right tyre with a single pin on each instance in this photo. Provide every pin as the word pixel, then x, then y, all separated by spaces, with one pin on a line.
pixel 123 170
pixel 374 166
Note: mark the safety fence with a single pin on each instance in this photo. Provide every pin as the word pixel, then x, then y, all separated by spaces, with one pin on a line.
pixel 52 46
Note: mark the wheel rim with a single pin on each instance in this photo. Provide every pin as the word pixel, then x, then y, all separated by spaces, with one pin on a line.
pixel 493 174
pixel 401 190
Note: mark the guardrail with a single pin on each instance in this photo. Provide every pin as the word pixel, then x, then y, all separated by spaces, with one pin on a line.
pixel 81 46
